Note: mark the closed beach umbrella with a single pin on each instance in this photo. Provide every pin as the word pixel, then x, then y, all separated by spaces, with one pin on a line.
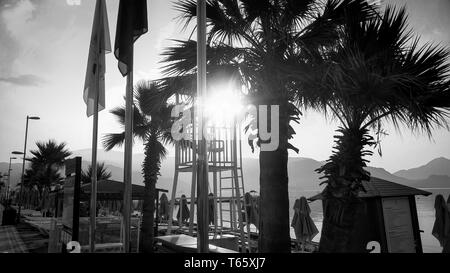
pixel 183 206
pixel 252 208
pixel 211 208
pixel 448 202
pixel 164 207
pixel 440 222
pixel 441 227
pixel 304 227
pixel 446 248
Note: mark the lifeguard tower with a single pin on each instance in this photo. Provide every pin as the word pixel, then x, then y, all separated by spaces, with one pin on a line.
pixel 226 184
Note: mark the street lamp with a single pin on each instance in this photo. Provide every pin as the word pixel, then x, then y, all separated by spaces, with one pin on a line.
pixel 9 177
pixel 23 163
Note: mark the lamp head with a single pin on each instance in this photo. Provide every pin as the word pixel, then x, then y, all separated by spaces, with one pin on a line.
pixel 34 118
pixel 17 153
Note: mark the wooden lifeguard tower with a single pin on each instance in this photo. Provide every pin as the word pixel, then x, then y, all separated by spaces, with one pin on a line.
pixel 226 185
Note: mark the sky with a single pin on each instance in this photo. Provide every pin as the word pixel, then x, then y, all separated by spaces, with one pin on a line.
pixel 43 55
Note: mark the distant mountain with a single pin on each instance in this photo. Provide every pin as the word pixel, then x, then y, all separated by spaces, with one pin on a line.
pixel 433 181
pixel 383 174
pixel 438 166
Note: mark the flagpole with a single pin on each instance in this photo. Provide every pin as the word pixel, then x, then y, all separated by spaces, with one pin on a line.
pixel 128 155
pixel 93 213
pixel 93 207
pixel 202 166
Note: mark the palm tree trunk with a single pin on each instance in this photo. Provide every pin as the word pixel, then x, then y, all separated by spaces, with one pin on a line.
pixel 151 168
pixel 344 211
pixel 274 203
pixel 146 244
pixel 341 231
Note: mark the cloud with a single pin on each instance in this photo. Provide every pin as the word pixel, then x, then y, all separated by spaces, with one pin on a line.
pixel 23 80
pixel 14 15
pixel 18 18
pixel 32 32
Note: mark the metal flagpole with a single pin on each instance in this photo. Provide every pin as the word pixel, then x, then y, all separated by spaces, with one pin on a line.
pixel 93 213
pixel 128 155
pixel 93 205
pixel 202 167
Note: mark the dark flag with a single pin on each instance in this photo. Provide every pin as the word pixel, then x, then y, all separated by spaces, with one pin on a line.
pixel 132 22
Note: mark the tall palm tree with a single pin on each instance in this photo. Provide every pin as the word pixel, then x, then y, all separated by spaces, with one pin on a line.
pixel 258 42
pixel 151 124
pixel 377 73
pixel 50 154
pixel 102 173
pixel 45 164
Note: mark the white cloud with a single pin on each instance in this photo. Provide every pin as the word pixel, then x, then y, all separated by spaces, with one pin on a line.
pixel 23 80
pixel 17 18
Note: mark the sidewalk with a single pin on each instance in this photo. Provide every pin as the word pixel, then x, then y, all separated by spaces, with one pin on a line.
pixel 21 238
pixel 10 241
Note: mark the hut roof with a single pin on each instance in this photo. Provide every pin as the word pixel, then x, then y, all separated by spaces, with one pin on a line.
pixel 378 187
pixel 382 188
pixel 111 189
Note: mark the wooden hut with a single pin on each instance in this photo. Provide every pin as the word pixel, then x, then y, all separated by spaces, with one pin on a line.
pixel 388 216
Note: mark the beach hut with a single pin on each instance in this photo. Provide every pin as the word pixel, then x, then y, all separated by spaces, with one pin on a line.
pixel 388 216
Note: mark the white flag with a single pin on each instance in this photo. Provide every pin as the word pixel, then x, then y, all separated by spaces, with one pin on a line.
pixel 94 84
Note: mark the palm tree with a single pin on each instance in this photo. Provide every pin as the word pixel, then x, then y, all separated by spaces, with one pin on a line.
pixel 376 73
pixel 50 154
pixel 45 165
pixel 152 124
pixel 258 42
pixel 102 173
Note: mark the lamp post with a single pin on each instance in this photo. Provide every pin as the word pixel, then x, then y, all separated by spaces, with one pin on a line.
pixel 9 177
pixel 23 163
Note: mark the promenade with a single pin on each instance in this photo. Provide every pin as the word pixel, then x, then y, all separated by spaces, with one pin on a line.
pixel 21 238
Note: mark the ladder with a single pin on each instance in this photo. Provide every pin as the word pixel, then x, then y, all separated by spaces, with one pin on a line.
pixel 232 202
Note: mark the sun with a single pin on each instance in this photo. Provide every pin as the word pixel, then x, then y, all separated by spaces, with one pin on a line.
pixel 222 106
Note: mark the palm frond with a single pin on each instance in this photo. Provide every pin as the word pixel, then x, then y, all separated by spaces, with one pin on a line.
pixel 102 173
pixel 180 59
pixel 119 113
pixel 110 141
pixel 148 98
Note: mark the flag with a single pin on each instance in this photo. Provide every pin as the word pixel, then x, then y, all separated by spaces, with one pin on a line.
pixel 94 84
pixel 132 22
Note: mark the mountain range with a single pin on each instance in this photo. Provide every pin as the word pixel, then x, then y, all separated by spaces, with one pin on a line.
pixel 302 175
